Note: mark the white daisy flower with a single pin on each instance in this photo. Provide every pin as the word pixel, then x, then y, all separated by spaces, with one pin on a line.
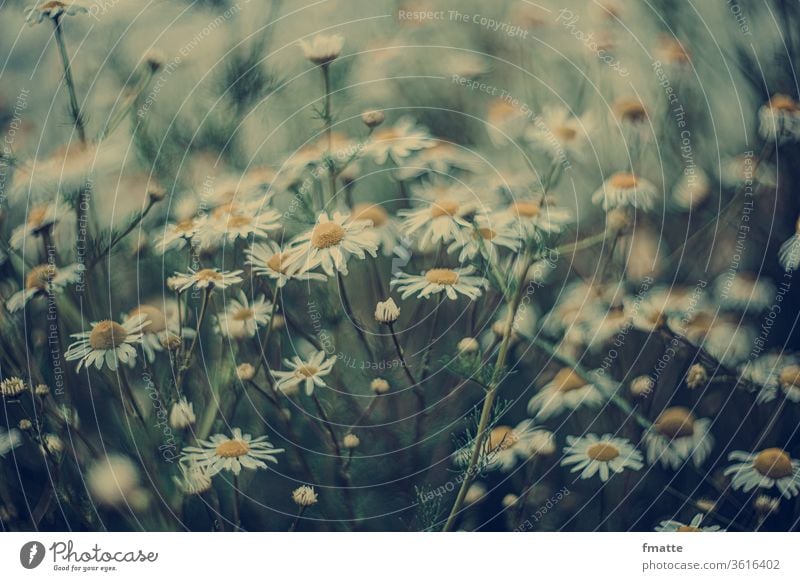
pixel 220 453
pixel 330 243
pixel 381 225
pixel 233 221
pixel 775 373
pixel 309 373
pixel 677 436
pixel 440 159
pixel 536 219
pixel 398 141
pixel 162 326
pixel 177 235
pixel 674 526
pixel 604 455
pixel 38 218
pixel 53 9
pixel 12 386
pixel 789 254
pixel 505 446
pixel 623 189
pixel 779 119
pixel 182 414
pixel 9 440
pixel 439 220
pixel 437 280
pixel 743 291
pixel 267 259
pixel 486 237
pixel 746 170
pixel 558 132
pixel 566 391
pixel 765 469
pixel 108 342
pixel 724 338
pixel 193 479
pixel 322 49
pixel 44 279
pixel 206 278
pixel 241 318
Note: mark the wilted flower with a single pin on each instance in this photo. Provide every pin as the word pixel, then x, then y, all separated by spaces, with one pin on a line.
pixel 12 387
pixel 304 496
pixel 182 414
pixel 387 311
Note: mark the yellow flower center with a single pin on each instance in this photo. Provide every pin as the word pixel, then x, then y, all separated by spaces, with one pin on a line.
pixel 526 209
pixel 185 226
pixel 790 377
pixel 275 262
pixel 243 314
pixel 232 449
pixel 623 180
pixel 501 438
pixel 632 111
pixel 327 235
pixel 773 463
pixel 158 321
pixel 443 276
pixel 239 220
pixel 36 216
pixel 567 380
pixel 602 452
pixel 565 133
pixel 485 233
pixel 39 276
pixel 444 208
pixel 209 275
pixel 675 422
pixel 783 103
pixel 107 335
pixel 688 529
pixel 306 371
pixel 370 212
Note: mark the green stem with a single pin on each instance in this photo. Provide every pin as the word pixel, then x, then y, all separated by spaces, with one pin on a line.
pixel 73 99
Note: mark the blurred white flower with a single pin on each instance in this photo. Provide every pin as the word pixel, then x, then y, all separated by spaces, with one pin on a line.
pixel 44 279
pixel 182 415
pixel 322 49
pixel 398 141
pixel 779 119
pixel 674 526
pixel 9 440
pixel 242 317
pixel 37 219
pixel 624 189
pixel 565 392
pixel 677 436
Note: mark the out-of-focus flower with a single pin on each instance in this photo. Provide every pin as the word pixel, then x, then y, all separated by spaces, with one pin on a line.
pixel 114 481
pixel 194 479
pixel 379 386
pixel 789 254
pixel 486 237
pixel 108 342
pixel 696 376
pixel 604 455
pixel 765 469
pixel 245 372
pixel 381 225
pixel 565 392
pixel 44 279
pixel 181 415
pixel 9 440
pixel 221 452
pixel 351 441
pixel 677 436
pixel 53 9
pixel 269 260
pixel 330 243
pixel 450 281
pixel 779 119
pixel 642 386
pixel 38 219
pixel 624 189
pixel 694 526
pixel 505 446
pixel 398 141
pixel 323 49
pixel 743 291
pixel 691 190
pixel 536 219
pixel 309 373
pixel 560 133
pixel 206 278
pixel 242 317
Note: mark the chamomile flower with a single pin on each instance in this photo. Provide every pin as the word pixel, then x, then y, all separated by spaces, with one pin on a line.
pixel 536 219
pixel 558 132
pixel 54 10
pixel 486 237
pixel 233 221
pixel 330 244
pixel 450 281
pixel 789 254
pixel 779 119
pixel 322 49
pixel 691 190
pixel 505 121
pixel 177 235
pixel 505 446
pixel 38 219
pixel 9 440
pixel 765 469
pixel 309 373
pixel 193 479
pixel 221 452
pixel 677 436
pixel 743 291
pixel 381 225
pixel 776 373
pixel 398 141
pixel 440 159
pixel 565 392
pixel 162 325
pixel 108 342
pixel 268 259
pixel 12 386
pixel 44 279
pixel 241 317
pixel 624 189
pixel 438 221
pixel 206 278
pixel 694 526
pixel 604 455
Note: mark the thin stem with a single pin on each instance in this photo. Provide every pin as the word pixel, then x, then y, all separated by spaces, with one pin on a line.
pixel 349 310
pixel 73 99
pixel 188 359
pixel 129 395
pixel 267 334
pixel 297 518
pixel 237 521
pixel 326 75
